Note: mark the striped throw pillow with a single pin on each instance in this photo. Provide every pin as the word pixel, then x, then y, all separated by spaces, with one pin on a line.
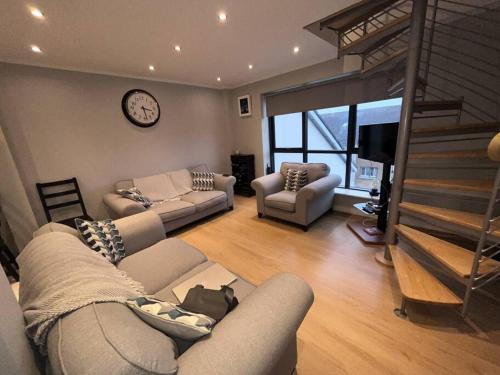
pixel 295 180
pixel 203 181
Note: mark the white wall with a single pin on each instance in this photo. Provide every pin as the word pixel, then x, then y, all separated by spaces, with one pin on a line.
pixel 61 124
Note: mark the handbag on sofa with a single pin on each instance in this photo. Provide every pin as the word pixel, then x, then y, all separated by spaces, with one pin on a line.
pixel 213 303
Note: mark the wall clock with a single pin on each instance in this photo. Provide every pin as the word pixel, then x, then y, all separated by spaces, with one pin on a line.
pixel 141 108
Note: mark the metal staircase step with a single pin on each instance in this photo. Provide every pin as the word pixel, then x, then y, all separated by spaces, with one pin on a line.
pixel 466 220
pixel 386 64
pixel 417 284
pixel 437 105
pixel 452 129
pixel 481 186
pixel 376 38
pixel 454 257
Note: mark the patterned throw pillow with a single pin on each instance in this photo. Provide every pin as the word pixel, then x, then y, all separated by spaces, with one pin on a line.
pixel 102 237
pixel 171 319
pixel 203 181
pixel 295 179
pixel 135 194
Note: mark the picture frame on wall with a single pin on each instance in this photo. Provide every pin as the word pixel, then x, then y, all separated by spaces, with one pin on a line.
pixel 245 105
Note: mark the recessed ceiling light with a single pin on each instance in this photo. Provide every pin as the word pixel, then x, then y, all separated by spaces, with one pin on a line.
pixel 36 13
pixel 152 68
pixel 218 79
pixel 250 66
pixel 222 17
pixel 177 48
pixel 36 49
pixel 296 49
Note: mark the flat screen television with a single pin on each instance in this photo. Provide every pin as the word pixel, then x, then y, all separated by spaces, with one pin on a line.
pixel 378 142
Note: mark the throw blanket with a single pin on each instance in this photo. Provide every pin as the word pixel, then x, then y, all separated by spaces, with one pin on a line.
pixel 59 274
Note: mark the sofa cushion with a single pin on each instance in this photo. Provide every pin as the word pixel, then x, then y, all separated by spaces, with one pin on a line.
pixel 241 287
pixel 108 338
pixel 171 210
pixel 283 200
pixel 157 188
pixel 171 319
pixel 203 181
pixel 295 180
pixel 55 227
pixel 203 200
pixel 161 264
pixel 182 181
pixel 315 171
pixel 103 237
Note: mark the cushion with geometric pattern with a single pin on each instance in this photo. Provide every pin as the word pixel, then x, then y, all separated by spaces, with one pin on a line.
pixel 295 179
pixel 203 181
pixel 135 194
pixel 103 237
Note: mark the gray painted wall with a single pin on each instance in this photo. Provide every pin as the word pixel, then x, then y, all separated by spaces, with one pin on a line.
pixel 61 124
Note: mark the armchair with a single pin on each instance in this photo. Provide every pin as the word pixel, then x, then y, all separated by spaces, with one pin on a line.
pixel 302 207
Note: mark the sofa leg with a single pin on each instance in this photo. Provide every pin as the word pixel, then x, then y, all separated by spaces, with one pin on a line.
pixel 260 214
pixel 231 208
pixel 305 228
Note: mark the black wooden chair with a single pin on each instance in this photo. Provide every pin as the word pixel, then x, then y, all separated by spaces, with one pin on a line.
pixel 74 190
pixel 8 261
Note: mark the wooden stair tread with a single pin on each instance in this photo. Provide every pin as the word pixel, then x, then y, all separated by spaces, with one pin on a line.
pixel 462 185
pixel 354 14
pixel 464 219
pixel 454 257
pixel 461 154
pixel 417 284
pixel 376 38
pixel 437 105
pixel 451 129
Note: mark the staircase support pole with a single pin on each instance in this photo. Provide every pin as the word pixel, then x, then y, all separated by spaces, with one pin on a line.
pixel 417 27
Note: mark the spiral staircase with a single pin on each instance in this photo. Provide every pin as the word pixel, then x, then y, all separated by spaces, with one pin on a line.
pixel 442 57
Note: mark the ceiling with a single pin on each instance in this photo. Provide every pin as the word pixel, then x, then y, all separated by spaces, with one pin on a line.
pixel 123 38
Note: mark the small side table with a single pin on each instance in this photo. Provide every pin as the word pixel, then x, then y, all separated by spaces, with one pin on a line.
pixel 369 234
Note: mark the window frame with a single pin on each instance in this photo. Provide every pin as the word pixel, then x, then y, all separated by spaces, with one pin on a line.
pixel 350 150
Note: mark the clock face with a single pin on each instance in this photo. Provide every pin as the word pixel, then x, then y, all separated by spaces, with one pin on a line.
pixel 141 108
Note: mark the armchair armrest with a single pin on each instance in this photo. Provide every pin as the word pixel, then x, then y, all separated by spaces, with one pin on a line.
pixel 225 183
pixel 266 185
pixel 252 338
pixel 119 206
pixel 140 231
pixel 319 187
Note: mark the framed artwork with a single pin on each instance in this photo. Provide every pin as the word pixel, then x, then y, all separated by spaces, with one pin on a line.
pixel 245 105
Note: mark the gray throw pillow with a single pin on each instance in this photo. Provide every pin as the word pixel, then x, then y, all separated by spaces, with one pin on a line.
pixel 135 194
pixel 203 181
pixel 102 237
pixel 171 319
pixel 295 180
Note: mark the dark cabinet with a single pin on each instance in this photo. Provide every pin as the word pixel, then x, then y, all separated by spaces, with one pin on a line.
pixel 243 169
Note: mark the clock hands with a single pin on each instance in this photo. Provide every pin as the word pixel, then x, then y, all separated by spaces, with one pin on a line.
pixel 144 109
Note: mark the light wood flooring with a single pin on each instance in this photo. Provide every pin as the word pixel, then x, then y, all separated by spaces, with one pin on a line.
pixel 351 328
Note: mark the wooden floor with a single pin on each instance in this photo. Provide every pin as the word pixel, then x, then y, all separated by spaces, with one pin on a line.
pixel 351 328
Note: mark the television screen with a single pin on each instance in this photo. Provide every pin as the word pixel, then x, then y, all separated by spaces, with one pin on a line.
pixel 378 142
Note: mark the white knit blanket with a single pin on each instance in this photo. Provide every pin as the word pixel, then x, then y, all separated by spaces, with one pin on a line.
pixel 59 274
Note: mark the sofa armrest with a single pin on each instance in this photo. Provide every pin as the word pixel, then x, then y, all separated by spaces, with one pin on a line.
pixel 140 231
pixel 319 187
pixel 266 185
pixel 119 206
pixel 252 338
pixel 225 183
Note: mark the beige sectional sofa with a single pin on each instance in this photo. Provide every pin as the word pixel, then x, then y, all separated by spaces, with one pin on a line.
pixel 257 338
pixel 187 207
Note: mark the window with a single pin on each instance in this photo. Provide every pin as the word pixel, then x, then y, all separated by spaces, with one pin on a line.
pixel 330 136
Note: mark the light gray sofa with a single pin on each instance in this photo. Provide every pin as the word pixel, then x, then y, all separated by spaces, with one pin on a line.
pixel 302 207
pixel 258 337
pixel 188 208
